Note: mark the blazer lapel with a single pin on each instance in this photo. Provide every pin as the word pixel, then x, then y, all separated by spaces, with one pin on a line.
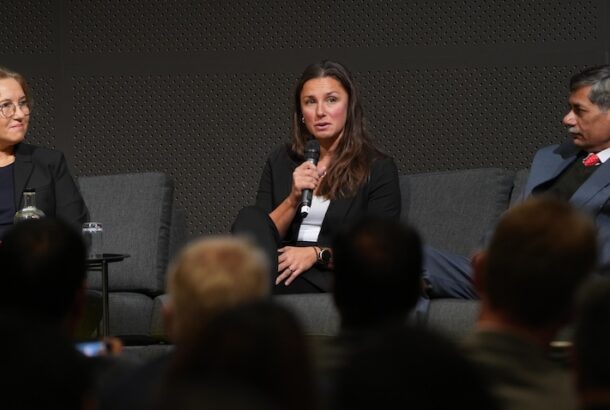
pixel 548 164
pixel 23 170
pixel 599 180
pixel 335 215
pixel 550 167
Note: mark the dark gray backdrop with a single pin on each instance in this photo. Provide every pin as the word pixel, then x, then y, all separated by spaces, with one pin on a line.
pixel 202 90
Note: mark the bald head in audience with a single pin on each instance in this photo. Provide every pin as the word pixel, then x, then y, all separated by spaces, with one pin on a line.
pixel 209 276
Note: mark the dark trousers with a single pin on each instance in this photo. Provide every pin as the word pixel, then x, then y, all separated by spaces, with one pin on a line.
pixel 256 224
pixel 449 274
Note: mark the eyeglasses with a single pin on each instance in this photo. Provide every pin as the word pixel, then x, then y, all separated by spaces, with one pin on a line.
pixel 8 108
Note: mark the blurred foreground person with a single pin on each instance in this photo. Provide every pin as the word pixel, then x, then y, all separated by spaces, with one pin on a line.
pixel 44 279
pixel 257 351
pixel 541 252
pixel 591 341
pixel 410 368
pixel 209 276
pixel 377 279
pixel 44 272
pixel 41 368
pixel 377 283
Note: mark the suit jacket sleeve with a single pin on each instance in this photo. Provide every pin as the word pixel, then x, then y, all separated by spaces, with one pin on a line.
pixel 276 180
pixel 384 190
pixel 69 205
pixel 46 171
pixel 264 194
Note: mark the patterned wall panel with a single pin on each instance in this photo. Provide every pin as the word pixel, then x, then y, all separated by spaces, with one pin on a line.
pixel 210 132
pixel 149 26
pixel 29 27
pixel 43 119
pixel 467 117
pixel 447 84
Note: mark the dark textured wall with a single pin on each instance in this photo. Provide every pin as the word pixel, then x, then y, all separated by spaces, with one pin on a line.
pixel 202 90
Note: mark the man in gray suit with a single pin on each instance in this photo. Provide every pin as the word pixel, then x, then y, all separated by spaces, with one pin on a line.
pixel 577 171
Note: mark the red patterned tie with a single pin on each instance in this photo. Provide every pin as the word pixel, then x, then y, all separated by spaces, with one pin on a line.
pixel 591 160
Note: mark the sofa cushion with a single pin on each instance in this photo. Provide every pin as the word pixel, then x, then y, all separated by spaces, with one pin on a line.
pixel 520 180
pixel 454 318
pixel 130 313
pixel 135 210
pixel 157 325
pixel 453 209
pixel 316 312
pixel 178 232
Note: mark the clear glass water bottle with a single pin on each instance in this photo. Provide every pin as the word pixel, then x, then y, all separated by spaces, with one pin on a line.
pixel 29 210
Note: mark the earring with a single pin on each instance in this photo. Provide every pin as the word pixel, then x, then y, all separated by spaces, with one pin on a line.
pixel 303 120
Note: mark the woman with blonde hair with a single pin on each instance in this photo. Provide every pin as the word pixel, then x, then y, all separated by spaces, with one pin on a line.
pixel 25 166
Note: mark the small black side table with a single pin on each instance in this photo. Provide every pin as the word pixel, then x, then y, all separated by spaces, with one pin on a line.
pixel 100 264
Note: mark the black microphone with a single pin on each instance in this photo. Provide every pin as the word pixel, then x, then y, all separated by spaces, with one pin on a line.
pixel 312 154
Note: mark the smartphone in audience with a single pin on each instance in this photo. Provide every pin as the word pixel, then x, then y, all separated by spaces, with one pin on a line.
pixel 92 347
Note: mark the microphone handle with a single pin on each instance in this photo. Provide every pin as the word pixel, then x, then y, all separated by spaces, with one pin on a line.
pixel 307 195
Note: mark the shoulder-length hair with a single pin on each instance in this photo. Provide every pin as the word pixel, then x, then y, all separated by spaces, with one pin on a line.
pixel 352 162
pixel 8 73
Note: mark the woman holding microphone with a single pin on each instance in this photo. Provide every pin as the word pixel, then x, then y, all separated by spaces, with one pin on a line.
pixel 351 178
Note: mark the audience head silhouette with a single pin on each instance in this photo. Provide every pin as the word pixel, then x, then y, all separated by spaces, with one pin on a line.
pixel 410 367
pixel 42 369
pixel 591 341
pixel 540 253
pixel 378 265
pixel 43 270
pixel 258 348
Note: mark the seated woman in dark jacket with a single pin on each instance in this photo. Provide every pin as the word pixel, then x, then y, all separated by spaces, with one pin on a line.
pixel 351 178
pixel 27 166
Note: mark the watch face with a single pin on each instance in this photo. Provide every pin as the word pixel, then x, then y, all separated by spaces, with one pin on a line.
pixel 325 255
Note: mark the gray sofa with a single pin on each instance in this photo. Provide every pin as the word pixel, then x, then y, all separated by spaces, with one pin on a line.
pixel 452 210
pixel 139 219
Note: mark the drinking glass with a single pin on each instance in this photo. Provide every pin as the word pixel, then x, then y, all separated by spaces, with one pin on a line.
pixel 93 235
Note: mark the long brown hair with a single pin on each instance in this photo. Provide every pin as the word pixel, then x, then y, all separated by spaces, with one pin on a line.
pixel 352 162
